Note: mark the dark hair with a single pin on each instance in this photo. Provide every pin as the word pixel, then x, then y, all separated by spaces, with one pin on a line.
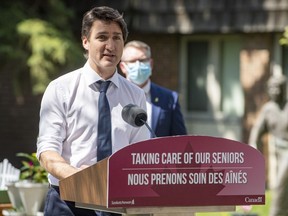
pixel 106 14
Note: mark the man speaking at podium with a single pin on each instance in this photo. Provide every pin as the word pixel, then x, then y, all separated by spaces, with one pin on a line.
pixel 80 115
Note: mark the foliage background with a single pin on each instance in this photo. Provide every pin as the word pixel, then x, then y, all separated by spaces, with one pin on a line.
pixel 40 40
pixel 37 43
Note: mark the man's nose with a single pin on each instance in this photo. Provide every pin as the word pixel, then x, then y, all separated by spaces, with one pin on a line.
pixel 110 44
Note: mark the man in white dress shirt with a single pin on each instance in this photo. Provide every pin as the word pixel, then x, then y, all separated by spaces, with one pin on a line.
pixel 67 139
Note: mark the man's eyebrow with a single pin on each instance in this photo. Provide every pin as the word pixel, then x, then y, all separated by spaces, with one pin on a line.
pixel 117 33
pixel 105 32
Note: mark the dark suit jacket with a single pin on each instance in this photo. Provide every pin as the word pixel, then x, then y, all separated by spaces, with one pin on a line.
pixel 167 119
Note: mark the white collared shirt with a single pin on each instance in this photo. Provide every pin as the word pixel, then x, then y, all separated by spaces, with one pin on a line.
pixel 69 116
pixel 147 91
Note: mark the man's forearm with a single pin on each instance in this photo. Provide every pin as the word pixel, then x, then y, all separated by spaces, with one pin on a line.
pixel 56 165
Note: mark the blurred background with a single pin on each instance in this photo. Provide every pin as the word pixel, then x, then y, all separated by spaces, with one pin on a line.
pixel 218 54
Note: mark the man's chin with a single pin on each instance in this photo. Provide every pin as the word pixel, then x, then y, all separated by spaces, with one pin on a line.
pixel 109 65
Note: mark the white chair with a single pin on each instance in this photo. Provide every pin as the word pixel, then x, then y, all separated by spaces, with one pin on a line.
pixel 8 174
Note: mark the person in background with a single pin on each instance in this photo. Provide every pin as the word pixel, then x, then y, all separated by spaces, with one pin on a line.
pixel 273 120
pixel 163 109
pixel 68 129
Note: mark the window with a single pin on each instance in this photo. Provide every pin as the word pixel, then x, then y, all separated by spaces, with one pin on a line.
pixel 197 73
pixel 212 76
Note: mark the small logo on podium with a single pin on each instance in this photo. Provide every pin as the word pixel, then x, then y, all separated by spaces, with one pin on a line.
pixel 123 202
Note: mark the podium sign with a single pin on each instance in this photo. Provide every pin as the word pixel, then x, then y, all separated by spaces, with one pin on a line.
pixel 186 171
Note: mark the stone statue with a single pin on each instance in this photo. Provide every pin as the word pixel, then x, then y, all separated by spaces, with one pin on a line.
pixel 273 120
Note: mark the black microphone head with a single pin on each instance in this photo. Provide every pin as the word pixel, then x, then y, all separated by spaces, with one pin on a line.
pixel 134 115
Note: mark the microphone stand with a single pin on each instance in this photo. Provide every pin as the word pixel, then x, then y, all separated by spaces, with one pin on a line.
pixel 149 128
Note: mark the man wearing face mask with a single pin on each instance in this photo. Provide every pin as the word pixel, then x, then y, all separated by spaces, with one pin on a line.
pixel 163 109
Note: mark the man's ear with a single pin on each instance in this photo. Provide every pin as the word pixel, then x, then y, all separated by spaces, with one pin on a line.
pixel 151 63
pixel 85 43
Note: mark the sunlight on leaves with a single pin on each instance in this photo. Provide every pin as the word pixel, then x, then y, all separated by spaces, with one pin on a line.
pixel 49 50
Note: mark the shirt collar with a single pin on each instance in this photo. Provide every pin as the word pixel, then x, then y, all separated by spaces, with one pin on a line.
pixel 147 87
pixel 91 76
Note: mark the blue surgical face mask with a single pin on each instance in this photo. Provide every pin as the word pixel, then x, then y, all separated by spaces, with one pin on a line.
pixel 138 72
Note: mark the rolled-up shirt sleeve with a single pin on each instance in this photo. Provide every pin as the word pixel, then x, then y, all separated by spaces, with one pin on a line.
pixel 52 123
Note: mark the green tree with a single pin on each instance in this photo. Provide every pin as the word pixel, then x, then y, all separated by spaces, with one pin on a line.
pixel 284 39
pixel 36 43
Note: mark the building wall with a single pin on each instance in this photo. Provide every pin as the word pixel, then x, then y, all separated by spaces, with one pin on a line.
pixel 255 57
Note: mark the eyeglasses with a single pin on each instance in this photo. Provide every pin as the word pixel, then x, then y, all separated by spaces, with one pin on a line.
pixel 140 60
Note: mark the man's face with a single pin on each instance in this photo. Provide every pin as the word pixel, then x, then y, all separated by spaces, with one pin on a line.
pixel 105 47
pixel 133 54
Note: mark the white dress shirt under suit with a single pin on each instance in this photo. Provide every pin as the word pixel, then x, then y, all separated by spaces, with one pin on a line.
pixel 69 116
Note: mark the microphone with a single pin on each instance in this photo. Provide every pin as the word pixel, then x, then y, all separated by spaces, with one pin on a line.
pixel 136 116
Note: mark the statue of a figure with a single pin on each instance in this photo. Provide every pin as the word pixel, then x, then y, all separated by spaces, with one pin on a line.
pixel 273 120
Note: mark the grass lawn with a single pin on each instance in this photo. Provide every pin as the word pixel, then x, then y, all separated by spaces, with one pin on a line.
pixel 261 210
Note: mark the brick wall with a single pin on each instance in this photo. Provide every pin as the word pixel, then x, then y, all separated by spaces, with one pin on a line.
pixel 254 70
